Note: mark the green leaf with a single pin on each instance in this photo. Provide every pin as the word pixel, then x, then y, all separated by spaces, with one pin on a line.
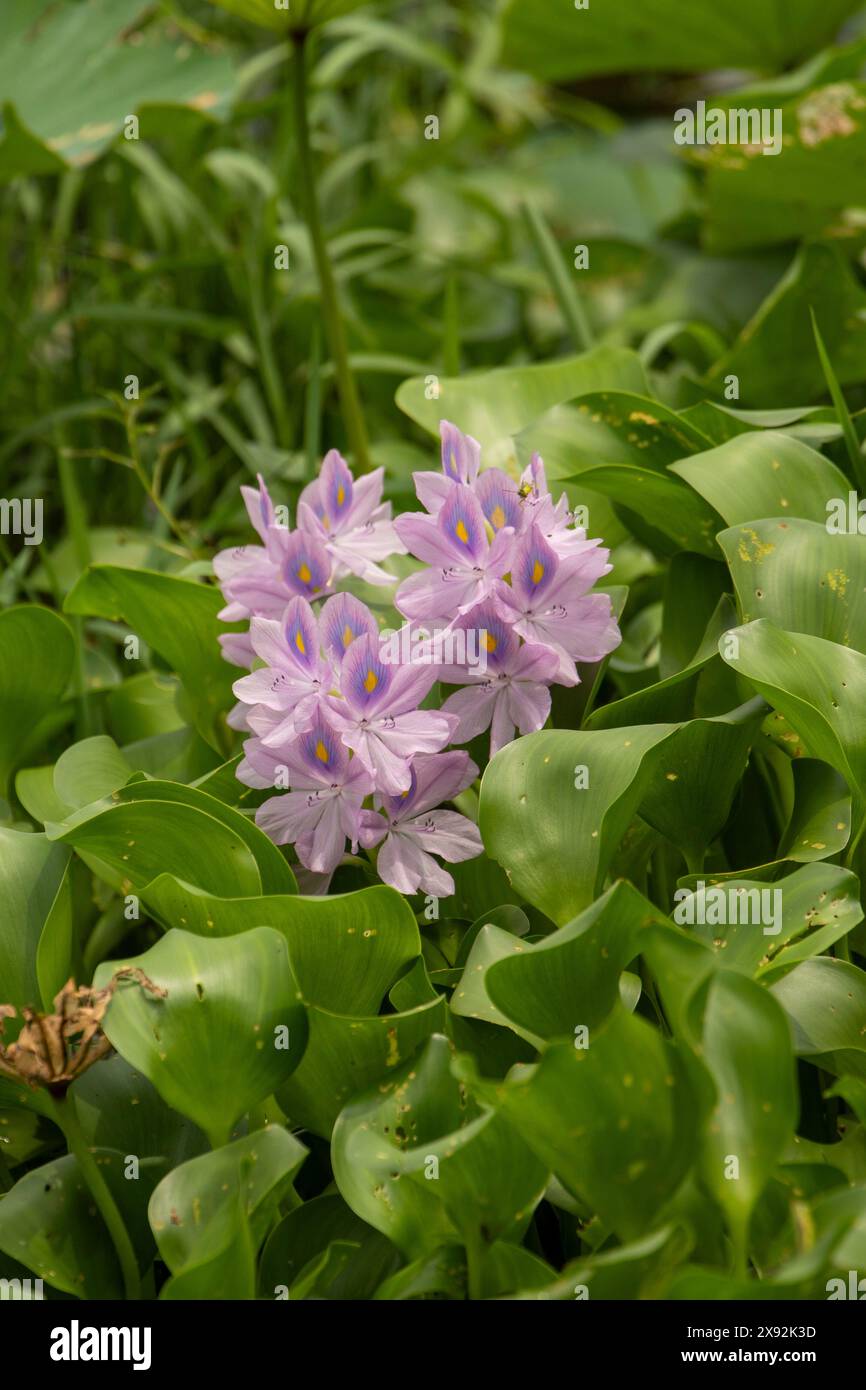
pixel 306 1232
pixel 413 1160
pixel 798 916
pixel 492 406
pixel 228 1032
pixel 617 37
pixel 345 1054
pixel 799 577
pixel 852 443
pixel 761 202
pixel 825 1000
pixel 132 841
pixel 764 474
pixel 90 770
pixel 213 1208
pixel 49 1222
pixel 571 979
pixel 36 656
pixel 178 619
pixel 346 950
pixel 775 359
pixel 120 1109
pixel 32 879
pixel 72 74
pixel 746 1048
pixel 553 837
pixel 820 688
pixel 820 821
pixel 616 1122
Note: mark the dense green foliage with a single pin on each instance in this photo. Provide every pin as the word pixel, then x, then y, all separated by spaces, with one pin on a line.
pixel 627 1058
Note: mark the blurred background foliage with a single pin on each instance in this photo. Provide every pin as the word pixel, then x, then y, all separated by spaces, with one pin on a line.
pixel 157 256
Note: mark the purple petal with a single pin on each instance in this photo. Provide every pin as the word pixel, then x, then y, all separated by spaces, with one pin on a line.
pixel 335 491
pixel 461 454
pixel 500 499
pixel 343 618
pixel 403 865
pixel 534 566
pixel 461 524
pixel 365 679
pixel 307 567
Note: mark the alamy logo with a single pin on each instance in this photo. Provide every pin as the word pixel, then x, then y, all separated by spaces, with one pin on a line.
pixel 735 125
pixel 438 647
pixel 854 1289
pixel 718 906
pixel 846 516
pixel 24 1290
pixel 22 516
pixel 76 1343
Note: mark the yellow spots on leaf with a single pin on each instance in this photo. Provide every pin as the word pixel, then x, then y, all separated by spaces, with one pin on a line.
pixel 393 1049
pixel 838 582
pixel 640 417
pixel 304 573
pixel 322 753
pixel 537 572
pixel 751 546
pixel 371 680
pixel 672 776
pixel 460 531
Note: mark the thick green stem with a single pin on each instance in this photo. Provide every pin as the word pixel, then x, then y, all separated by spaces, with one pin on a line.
pixel 66 1117
pixel 350 401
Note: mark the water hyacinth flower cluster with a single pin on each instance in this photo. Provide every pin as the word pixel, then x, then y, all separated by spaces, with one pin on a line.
pixel 333 706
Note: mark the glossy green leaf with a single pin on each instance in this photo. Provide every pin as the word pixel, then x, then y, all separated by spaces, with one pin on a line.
pixel 306 1232
pixel 36 655
pixel 50 1223
pixel 346 950
pixel 415 1162
pixel 178 619
pixel 495 405
pixel 207 1212
pixel 31 903
pixel 345 1054
pixel 800 577
pixel 746 1049
pixel 825 1000
pixel 771 926
pixel 616 1122
pixel 764 474
pixel 554 837
pixel 819 687
pixel 229 1030
pixel 72 75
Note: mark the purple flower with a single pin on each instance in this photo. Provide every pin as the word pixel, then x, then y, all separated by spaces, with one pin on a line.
pixel 512 693
pixel 323 809
pixel 548 603
pixel 378 716
pixel 467 565
pixel 410 831
pixel 461 459
pixel 294 678
pixel 554 520
pixel 249 575
pixel 350 520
